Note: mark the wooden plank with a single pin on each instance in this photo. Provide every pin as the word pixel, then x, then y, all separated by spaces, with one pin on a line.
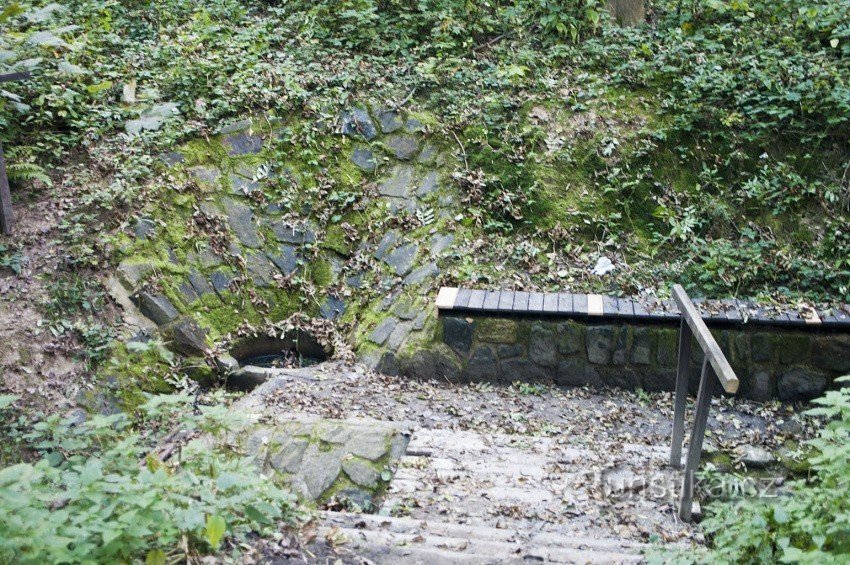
pixel 491 300
pixel 580 304
pixel 681 398
pixel 595 305
pixel 626 307
pixel 535 302
pixel 506 300
pixel 521 302
pixel 6 216
pixel 10 77
pixel 550 302
pixel 706 341
pixel 706 390
pixel 462 299
pixel 565 303
pixel 476 300
pixel 446 298
pixel 640 310
pixel 609 306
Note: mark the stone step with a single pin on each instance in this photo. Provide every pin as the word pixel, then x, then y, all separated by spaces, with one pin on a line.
pixel 391 540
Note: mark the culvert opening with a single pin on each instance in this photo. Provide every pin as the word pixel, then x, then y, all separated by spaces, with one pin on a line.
pixel 259 356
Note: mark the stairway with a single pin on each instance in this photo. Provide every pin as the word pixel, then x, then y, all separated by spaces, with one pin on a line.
pixel 460 496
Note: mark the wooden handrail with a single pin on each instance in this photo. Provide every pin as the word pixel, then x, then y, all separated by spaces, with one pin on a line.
pixel 706 341
pixel 715 368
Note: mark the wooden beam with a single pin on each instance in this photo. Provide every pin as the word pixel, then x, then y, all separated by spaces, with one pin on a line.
pixel 6 217
pixel 681 399
pixel 706 341
pixel 446 298
pixel 14 76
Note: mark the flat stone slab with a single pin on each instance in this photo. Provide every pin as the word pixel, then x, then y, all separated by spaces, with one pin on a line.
pixel 315 456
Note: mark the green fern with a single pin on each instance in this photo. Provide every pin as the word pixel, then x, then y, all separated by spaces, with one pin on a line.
pixel 27 172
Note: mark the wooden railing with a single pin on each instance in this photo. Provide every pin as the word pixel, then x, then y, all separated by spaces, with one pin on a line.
pixel 715 368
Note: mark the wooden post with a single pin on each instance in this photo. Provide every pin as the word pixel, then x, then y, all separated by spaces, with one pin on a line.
pixel 681 399
pixel 706 390
pixel 627 12
pixel 6 217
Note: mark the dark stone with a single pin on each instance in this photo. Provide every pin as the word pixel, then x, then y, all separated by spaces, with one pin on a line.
pixel 763 346
pixel 260 269
pixel 131 274
pixel 523 370
pixel 221 281
pixel 401 259
pixel 509 351
pixel 405 309
pixel 668 347
pixel 404 147
pixel 441 242
pixel 171 158
pixel 241 222
pixel 542 348
pixel 574 372
pixel 642 346
pixel 242 185
pixel 457 333
pixel 388 364
pixel 205 174
pixel 622 346
pixel 380 334
pixel 156 307
pixel 387 242
pixel 364 159
pixel 243 143
pixel 424 272
pixel 428 185
pixel 794 349
pixel 412 125
pixel 800 384
pixel 332 308
pixel 436 363
pixel 357 122
pixel 760 386
pixel 144 227
pixel 286 260
pixel 655 379
pixel 199 283
pixel 188 292
pixel 570 338
pixel 600 344
pixel 186 337
pixel 390 121
pixel 740 350
pixel 355 499
pixel 399 334
pixel 832 352
pixel 287 233
pixel 482 366
pixel 497 330
pixel 398 185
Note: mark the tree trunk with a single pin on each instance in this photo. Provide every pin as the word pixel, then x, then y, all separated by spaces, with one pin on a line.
pixel 627 12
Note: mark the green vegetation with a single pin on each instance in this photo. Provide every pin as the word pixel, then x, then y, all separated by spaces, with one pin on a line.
pixel 806 523
pixel 97 490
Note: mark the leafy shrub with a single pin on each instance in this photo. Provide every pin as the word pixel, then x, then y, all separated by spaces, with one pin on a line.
pixel 811 524
pixel 97 491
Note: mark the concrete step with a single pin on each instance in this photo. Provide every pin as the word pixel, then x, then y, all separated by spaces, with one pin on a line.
pixel 393 540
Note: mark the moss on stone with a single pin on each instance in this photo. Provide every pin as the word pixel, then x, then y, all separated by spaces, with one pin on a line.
pixel 496 330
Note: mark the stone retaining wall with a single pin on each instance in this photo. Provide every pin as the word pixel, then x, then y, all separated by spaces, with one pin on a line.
pixel 770 362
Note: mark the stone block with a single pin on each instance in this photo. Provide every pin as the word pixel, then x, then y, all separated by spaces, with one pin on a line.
pixel 832 352
pixel 800 383
pixel 435 363
pixel 763 347
pixel 242 143
pixel 356 122
pixel 570 338
pixel 524 370
pixel 575 372
pixel 155 307
pixel 656 379
pixel 740 350
pixel 509 351
pixel 542 347
pixel 642 345
pixel 364 159
pixel 622 346
pixel 402 258
pixel 382 332
pixel 794 349
pixel 186 337
pixel 360 472
pixel 240 217
pixel 482 366
pixel 760 385
pixel 599 341
pixel 457 333
pixel 403 146
pixel 496 330
pixel 668 346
